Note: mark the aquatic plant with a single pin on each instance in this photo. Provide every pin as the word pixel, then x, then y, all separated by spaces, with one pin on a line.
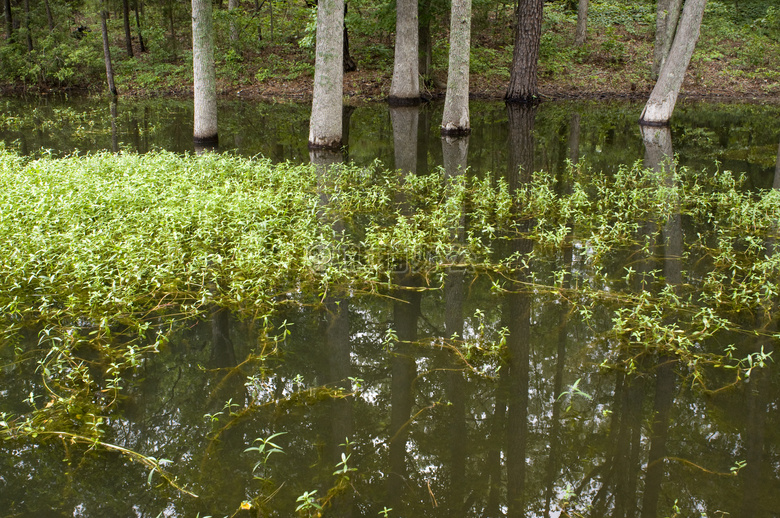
pixel 103 257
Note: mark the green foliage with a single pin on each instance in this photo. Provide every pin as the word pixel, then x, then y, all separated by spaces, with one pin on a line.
pixel 57 58
pixel 265 448
pixel 104 256
pixel 614 13
pixel 483 61
pixel 613 48
pixel 309 38
pixel 308 505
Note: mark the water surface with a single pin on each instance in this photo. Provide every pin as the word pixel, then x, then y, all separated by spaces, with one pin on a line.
pixel 452 390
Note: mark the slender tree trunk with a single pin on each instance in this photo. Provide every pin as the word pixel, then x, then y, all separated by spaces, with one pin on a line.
pixel 205 76
pixel 582 23
pixel 107 51
pixel 349 63
pixel 660 106
pixel 126 19
pixel 776 182
pixel 49 16
pixel 270 21
pixel 174 45
pixel 232 6
pixel 525 59
pixel 405 86
pixel 325 129
pixel 424 40
pixel 28 35
pixel 114 132
pixel 9 21
pixel 666 18
pixel 455 120
pixel 139 6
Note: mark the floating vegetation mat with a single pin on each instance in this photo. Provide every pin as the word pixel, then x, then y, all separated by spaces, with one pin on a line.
pixel 107 260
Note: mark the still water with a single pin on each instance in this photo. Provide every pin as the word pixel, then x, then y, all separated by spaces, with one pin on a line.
pixel 738 136
pixel 454 392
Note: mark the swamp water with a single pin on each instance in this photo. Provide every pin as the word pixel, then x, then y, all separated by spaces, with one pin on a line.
pixel 587 342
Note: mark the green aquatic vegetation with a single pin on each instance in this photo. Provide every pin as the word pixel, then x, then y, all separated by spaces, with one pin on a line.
pixel 103 257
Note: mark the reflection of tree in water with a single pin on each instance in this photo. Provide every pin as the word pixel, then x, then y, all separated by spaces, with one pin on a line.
pixel 758 479
pixel 455 153
pixel 341 427
pixel 516 315
pixel 406 312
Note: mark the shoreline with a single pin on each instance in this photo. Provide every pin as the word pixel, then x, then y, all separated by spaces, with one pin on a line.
pixel 372 86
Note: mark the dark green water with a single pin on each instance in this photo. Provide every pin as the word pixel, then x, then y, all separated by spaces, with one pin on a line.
pixel 740 137
pixel 562 422
pixel 432 432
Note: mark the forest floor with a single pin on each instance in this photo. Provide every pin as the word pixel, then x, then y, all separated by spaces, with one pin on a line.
pixel 374 85
pixel 595 77
pixel 361 86
pixel 736 60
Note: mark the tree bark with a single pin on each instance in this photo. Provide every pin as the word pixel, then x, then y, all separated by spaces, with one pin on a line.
pixel 107 52
pixel 139 6
pixel 666 18
pixel 9 21
pixel 174 46
pixel 660 106
pixel 405 86
pixel 582 23
pixel 232 6
pixel 49 17
pixel 525 58
pixel 424 40
pixel 455 120
pixel 126 20
pixel 349 63
pixel 28 35
pixel 325 130
pixel 204 72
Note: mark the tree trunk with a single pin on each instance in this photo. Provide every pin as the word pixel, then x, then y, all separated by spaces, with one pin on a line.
pixel 349 62
pixel 455 120
pixel 114 133
pixel 9 21
pixel 204 72
pixel 232 6
pixel 174 45
pixel 126 19
pixel 28 36
pixel 776 183
pixel 49 16
pixel 525 59
pixel 405 86
pixel 660 106
pixel 424 40
pixel 270 23
pixel 325 129
pixel 107 52
pixel 666 18
pixel 582 23
pixel 139 6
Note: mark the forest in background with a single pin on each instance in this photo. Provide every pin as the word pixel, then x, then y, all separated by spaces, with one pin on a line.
pixel 265 48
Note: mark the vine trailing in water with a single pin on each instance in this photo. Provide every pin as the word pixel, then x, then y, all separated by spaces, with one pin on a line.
pixel 104 256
